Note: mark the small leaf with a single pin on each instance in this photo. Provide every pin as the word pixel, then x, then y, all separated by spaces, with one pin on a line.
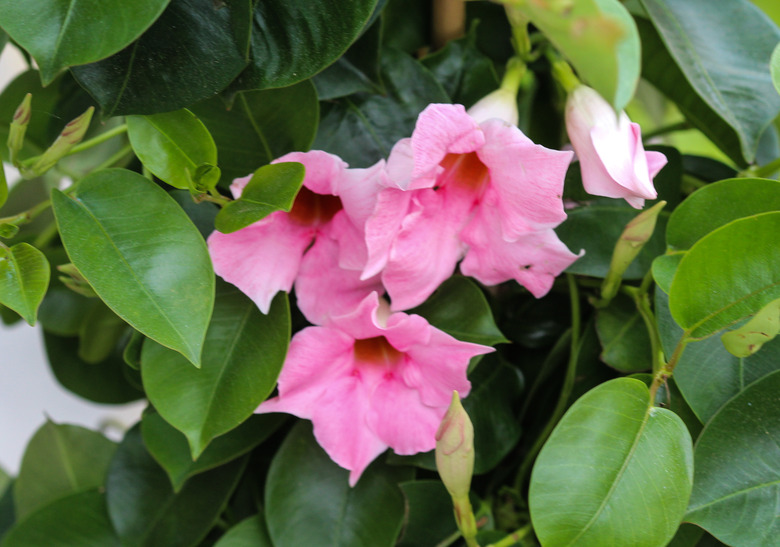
pixel 160 280
pixel 172 145
pixel 24 278
pixel 250 532
pixel 272 188
pixel 737 465
pixel 615 471
pixel 623 335
pixel 748 339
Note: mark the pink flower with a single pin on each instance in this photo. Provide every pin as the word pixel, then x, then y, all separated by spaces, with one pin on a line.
pixel 468 178
pixel 265 257
pixel 609 146
pixel 370 380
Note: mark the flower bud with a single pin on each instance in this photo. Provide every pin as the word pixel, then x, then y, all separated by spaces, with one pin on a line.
pixel 500 104
pixel 70 136
pixel 75 281
pixel 455 449
pixel 19 127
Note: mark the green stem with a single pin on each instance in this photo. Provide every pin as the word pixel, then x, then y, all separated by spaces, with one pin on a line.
pixel 26 216
pixel 762 171
pixel 667 369
pixel 520 38
pixel 671 128
pixel 43 239
pixel 513 77
pixel 86 145
pixel 642 301
pixel 566 389
pixel 449 540
pixel 514 537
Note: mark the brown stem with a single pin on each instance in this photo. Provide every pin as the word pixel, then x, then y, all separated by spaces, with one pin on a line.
pixel 449 21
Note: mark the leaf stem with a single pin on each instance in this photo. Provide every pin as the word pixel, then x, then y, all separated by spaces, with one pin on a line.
pixel 763 171
pixel 667 369
pixel 642 301
pixel 26 216
pixel 518 535
pixel 86 145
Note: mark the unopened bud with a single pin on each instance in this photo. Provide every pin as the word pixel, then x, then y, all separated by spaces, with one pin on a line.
pixel 455 449
pixel 500 104
pixel 75 281
pixel 71 135
pixel 18 128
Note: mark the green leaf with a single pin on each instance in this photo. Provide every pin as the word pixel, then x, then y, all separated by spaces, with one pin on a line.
pixel 615 471
pixel 107 382
pixel 3 186
pixel 600 39
pixel 169 446
pixel 693 64
pixel 664 268
pixel 737 462
pixel 774 67
pixel 99 334
pixel 377 121
pixel 7 514
pixel 144 509
pixel 293 40
pixel 172 146
pixel 250 532
pixel 160 278
pixel 302 477
pixel 64 33
pixel 750 337
pixel 189 54
pixel 242 357
pixel 79 519
pixel 429 519
pixel 738 264
pixel 272 188
pixel 60 460
pixel 24 278
pixel 623 335
pixel 716 205
pixel 459 308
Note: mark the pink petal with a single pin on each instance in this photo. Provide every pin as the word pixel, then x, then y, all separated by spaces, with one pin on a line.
pixel 382 227
pixel 323 170
pixel 238 185
pixel 262 258
pixel 655 162
pixel 358 189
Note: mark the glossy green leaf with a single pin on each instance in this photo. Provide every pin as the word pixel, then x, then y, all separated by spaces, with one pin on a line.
pixel 99 334
pixel 107 382
pixel 172 146
pixel 189 54
pixel 739 264
pixel 260 126
pixel 687 535
pixel 598 37
pixel 272 188
pixel 708 375
pixel 615 471
pixel 24 278
pixel 242 357
pixel 302 477
pixel 377 121
pixel 169 446
pixel 250 532
pixel 78 519
pixel 737 477
pixel 623 335
pixel 293 40
pixel 694 63
pixel 60 460
pixel 459 308
pixel 716 205
pixel 774 67
pixel 144 509
pixel 429 519
pixel 64 33
pixel 664 268
pixel 160 280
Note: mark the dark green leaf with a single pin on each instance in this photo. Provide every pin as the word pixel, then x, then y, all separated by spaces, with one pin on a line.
pixel 60 460
pixel 687 535
pixel 250 532
pixel 189 54
pixel 737 465
pixel 160 278
pixel 623 335
pixel 62 311
pixel 664 268
pixel 24 278
pixel 260 126
pixel 707 169
pixel 242 357
pixel 7 514
pixel 272 188
pixel 201 214
pixel 169 446
pixel 406 25
pixel 693 64
pixel 430 518
pixel 144 509
pixel 615 471
pixel 309 501
pixel 99 334
pixel 79 519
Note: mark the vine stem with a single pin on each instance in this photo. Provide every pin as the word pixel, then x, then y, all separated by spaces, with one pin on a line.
pixel 566 389
pixel 514 537
pixel 668 368
pixel 642 302
pixel 762 171
pixel 86 145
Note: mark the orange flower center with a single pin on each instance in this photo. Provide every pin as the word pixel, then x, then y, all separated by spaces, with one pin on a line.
pixel 377 351
pixel 465 171
pixel 313 209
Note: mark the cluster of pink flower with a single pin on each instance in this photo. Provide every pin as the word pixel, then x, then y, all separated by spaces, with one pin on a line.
pixel 368 375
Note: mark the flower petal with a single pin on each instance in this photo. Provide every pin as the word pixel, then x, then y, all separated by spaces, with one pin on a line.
pixel 323 170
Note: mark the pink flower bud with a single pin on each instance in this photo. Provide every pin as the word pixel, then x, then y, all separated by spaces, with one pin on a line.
pixel 500 104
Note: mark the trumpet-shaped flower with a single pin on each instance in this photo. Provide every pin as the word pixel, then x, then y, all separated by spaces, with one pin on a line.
pixel 370 380
pixel 609 146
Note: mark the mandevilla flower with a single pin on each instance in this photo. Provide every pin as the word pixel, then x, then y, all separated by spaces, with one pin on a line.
pixel 609 146
pixel 372 379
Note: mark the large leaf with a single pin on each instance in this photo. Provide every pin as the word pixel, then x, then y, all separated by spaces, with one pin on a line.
pixel 293 40
pixel 63 33
pixel 698 70
pixel 302 477
pixel 600 39
pixel 24 278
pixel 615 471
pixel 60 460
pixel 623 336
pixel 260 126
pixel 429 519
pixel 737 478
pixel 144 509
pixel 141 255
pixel 250 532
pixel 78 519
pixel 172 146
pixel 189 54
pixel 727 275
pixel 716 205
pixel 242 357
